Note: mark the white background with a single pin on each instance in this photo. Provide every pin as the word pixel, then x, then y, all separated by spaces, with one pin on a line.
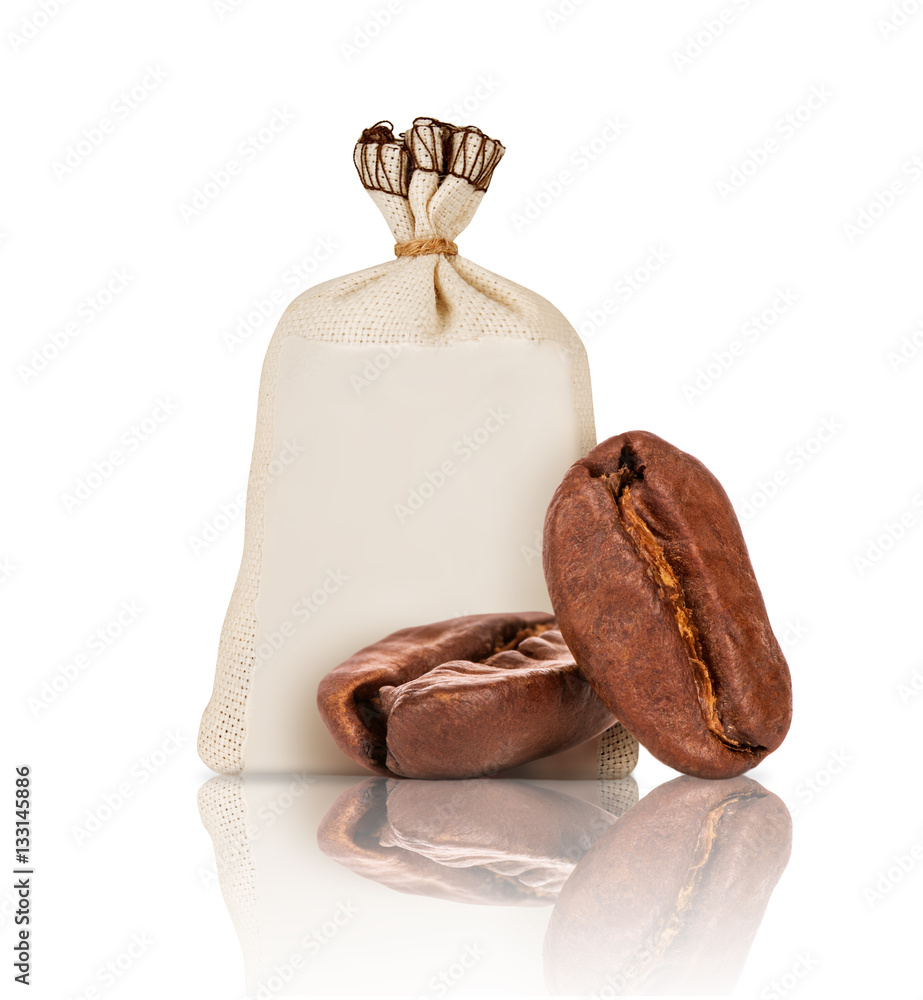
pixel 546 86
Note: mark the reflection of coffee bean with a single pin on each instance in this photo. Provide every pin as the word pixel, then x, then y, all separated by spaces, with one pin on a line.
pixel 654 594
pixel 461 698
pixel 486 841
pixel 671 898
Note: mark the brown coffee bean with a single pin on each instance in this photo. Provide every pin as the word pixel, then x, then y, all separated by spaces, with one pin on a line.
pixel 461 698
pixel 485 841
pixel 655 595
pixel 669 900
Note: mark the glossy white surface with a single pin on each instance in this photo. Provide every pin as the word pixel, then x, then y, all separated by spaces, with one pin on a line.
pixel 162 531
pixel 511 886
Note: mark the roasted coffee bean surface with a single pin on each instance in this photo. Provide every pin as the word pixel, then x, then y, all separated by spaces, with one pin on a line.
pixel 669 900
pixel 655 595
pixel 483 841
pixel 461 698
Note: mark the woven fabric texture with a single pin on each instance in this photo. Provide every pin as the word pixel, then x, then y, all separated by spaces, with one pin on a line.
pixel 428 184
pixel 618 753
pixel 618 795
pixel 223 814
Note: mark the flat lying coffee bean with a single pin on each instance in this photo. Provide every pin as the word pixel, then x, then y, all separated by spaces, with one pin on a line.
pixel 654 594
pixel 485 841
pixel 668 901
pixel 461 698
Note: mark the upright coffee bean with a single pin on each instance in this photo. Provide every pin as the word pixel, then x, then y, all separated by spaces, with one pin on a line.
pixel 654 593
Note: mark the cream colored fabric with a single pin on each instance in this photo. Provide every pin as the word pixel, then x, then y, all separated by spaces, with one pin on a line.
pixel 375 531
pixel 618 795
pixel 618 753
pixel 427 184
pixel 224 815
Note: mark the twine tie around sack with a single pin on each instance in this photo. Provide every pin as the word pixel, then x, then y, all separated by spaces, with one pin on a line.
pixel 414 248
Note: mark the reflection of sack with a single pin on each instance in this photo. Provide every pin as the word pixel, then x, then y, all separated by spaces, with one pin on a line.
pixel 475 841
pixel 297 909
pixel 414 420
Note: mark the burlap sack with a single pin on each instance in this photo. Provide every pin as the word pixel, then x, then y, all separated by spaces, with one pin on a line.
pixel 414 420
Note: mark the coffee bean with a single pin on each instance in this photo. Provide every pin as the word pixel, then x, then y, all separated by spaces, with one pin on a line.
pixel 485 841
pixel 655 595
pixel 461 698
pixel 668 901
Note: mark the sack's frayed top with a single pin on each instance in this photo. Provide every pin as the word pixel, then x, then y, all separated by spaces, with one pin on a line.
pixel 386 164
pixel 428 182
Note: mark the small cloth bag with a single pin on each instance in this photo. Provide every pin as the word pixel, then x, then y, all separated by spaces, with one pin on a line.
pixel 414 420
